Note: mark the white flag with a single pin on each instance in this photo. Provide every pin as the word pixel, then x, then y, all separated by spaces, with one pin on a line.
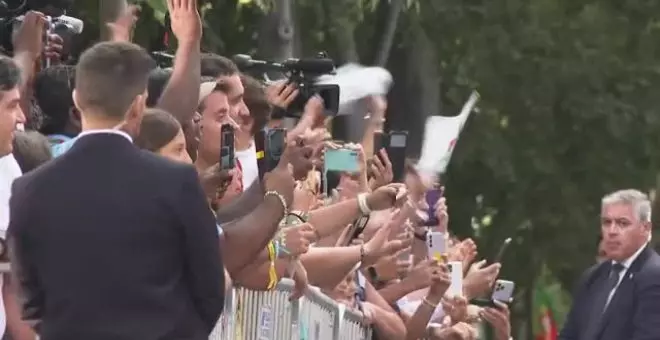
pixel 357 82
pixel 440 137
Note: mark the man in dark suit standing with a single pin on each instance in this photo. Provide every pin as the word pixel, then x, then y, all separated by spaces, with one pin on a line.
pixel 108 241
pixel 619 299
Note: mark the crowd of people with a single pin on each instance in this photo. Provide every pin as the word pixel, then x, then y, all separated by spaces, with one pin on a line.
pixel 123 225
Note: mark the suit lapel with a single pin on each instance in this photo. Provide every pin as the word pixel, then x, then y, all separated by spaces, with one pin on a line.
pixel 625 291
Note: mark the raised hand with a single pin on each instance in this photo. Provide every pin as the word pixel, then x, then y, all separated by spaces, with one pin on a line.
pixel 391 267
pixel 500 319
pixel 441 213
pixel 312 118
pixel 457 308
pixel 368 313
pixel 464 331
pixel 185 21
pixel 215 182
pixel 381 169
pixel 440 279
pixel 282 94
pixel 54 48
pixel 387 197
pixel 122 28
pixel 281 178
pixel 379 245
pixel 299 156
pixel 300 280
pixel 28 38
pixel 480 279
pixel 296 239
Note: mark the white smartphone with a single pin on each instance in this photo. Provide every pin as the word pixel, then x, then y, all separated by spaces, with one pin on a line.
pixel 456 275
pixel 436 243
pixel 503 291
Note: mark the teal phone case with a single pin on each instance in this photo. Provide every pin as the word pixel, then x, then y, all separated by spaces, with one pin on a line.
pixel 341 160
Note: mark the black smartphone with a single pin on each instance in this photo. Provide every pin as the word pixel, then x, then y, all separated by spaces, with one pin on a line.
pixel 500 253
pixel 357 228
pixel 275 143
pixel 260 147
pixel 379 140
pixel 483 302
pixel 396 151
pixel 227 154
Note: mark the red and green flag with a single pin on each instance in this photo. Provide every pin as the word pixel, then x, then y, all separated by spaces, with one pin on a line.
pixel 545 323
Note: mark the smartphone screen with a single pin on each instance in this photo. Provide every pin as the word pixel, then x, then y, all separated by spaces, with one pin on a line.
pixel 432 198
pixel 227 157
pixel 396 151
pixel 343 160
pixel 379 140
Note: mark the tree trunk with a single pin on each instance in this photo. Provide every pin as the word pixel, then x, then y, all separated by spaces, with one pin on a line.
pixel 389 31
pixel 341 27
pixel 416 91
pixel 108 12
pixel 277 36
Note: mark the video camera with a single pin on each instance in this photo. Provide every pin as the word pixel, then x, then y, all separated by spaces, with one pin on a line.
pixel 12 15
pixel 303 73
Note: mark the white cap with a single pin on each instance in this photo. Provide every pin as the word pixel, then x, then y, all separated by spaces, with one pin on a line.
pixel 205 89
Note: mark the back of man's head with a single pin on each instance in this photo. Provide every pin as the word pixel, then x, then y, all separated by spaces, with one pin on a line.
pixel 217 66
pixel 52 90
pixel 109 78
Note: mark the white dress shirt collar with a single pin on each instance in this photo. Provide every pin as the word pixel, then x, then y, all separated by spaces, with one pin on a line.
pixel 629 261
pixel 117 132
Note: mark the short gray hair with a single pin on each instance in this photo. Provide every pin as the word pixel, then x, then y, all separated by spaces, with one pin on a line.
pixel 635 198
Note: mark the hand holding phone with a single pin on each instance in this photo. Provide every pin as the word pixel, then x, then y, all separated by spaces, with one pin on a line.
pixel 502 293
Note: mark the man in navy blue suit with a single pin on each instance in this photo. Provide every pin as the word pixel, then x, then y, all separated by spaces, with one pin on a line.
pixel 619 299
pixel 108 241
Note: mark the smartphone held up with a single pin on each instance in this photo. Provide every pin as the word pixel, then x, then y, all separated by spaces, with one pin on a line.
pixel 227 152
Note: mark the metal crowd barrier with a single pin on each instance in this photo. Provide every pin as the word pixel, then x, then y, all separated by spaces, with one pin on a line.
pixel 255 315
pixel 252 315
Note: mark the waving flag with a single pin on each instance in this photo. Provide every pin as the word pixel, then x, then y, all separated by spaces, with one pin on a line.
pixel 545 322
pixel 357 82
pixel 440 138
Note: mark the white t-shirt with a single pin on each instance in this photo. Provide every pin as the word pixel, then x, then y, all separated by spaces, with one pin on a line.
pixel 248 159
pixel 9 171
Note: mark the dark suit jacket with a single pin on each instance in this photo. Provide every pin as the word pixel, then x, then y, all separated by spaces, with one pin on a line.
pixel 112 242
pixel 634 311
